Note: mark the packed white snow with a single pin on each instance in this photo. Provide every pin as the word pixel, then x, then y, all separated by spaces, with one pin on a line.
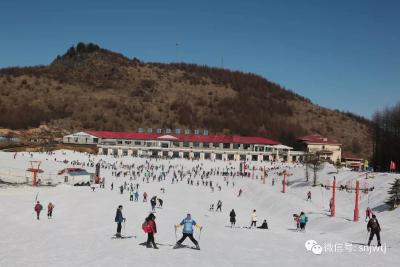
pixel 79 234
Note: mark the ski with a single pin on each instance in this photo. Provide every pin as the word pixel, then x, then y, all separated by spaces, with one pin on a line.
pixel 123 237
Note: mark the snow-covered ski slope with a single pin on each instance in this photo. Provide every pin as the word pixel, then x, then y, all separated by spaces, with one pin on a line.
pixel 83 221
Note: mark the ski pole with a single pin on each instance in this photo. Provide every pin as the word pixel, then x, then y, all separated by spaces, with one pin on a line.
pixel 176 238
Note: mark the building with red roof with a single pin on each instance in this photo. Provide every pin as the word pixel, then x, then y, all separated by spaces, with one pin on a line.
pixel 326 148
pixel 228 147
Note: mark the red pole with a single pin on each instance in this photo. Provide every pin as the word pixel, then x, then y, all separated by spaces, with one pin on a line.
pixel 333 207
pixel 356 213
pixel 284 182
pixel 34 183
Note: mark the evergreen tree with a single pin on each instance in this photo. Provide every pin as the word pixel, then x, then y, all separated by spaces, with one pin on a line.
pixel 394 194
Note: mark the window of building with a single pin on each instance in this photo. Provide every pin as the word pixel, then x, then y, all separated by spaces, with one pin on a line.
pixel 95 140
pixel 119 142
pixel 230 156
pixel 236 146
pixel 175 144
pixel 218 156
pixel 226 145
pixel 196 144
pixel 185 144
pixel 138 143
pixel 164 145
pixel 246 146
pixel 206 145
pixel 216 145
pixel 128 142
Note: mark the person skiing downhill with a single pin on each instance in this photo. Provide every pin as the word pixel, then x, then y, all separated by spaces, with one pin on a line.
pixel 309 196
pixel 303 221
pixel 253 219
pixel 296 218
pixel 38 208
pixel 187 231
pixel 136 196
pixel 374 228
pixel 150 228
pixel 119 219
pixel 50 208
pixel 232 216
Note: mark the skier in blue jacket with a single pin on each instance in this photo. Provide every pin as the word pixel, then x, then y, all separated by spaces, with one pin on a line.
pixel 119 219
pixel 187 230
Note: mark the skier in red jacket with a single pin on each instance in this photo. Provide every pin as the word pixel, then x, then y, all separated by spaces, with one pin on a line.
pixel 150 228
pixel 38 209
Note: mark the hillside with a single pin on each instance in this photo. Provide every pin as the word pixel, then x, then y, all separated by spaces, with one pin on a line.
pixel 92 88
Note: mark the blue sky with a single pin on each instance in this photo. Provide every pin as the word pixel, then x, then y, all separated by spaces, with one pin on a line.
pixel 340 54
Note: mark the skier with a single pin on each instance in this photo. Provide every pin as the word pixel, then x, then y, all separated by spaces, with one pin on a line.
pixel 309 196
pixel 240 192
pixel 160 202
pixel 136 196
pixel 112 186
pixel 253 219
pixel 119 219
pixel 264 225
pixel 153 203
pixel 273 181
pixel 131 196
pixel 50 208
pixel 374 228
pixel 368 213
pixel 144 197
pixel 38 209
pixel 150 228
pixel 219 206
pixel 187 231
pixel 232 216
pixel 303 221
pixel 330 204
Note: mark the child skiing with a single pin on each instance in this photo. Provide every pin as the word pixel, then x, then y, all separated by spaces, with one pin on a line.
pixel 150 228
pixel 50 208
pixel 187 231
pixel 38 208
pixel 119 219
pixel 374 228
pixel 232 216
pixel 296 218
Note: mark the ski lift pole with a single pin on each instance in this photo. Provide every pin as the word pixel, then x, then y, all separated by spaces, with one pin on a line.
pixel 356 211
pixel 333 207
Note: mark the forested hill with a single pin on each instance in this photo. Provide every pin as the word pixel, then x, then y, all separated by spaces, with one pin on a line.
pixel 92 88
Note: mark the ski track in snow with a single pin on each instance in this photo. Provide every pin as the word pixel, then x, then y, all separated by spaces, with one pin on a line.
pixel 83 221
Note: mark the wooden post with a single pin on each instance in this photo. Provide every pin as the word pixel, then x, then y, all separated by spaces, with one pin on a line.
pixel 356 212
pixel 333 206
pixel 284 182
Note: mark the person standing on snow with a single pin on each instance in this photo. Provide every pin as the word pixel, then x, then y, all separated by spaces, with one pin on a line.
pixel 254 219
pixel 187 230
pixel 375 229
pixel 50 208
pixel 38 208
pixel 309 196
pixel 136 196
pixel 232 216
pixel 150 228
pixel 303 221
pixel 144 197
pixel 119 219
pixel 153 203
pixel 219 206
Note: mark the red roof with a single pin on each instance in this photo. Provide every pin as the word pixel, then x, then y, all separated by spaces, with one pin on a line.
pixel 184 137
pixel 317 139
pixel 351 156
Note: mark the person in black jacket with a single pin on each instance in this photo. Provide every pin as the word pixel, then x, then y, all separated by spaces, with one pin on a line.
pixel 119 219
pixel 232 216
pixel 374 228
pixel 264 225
